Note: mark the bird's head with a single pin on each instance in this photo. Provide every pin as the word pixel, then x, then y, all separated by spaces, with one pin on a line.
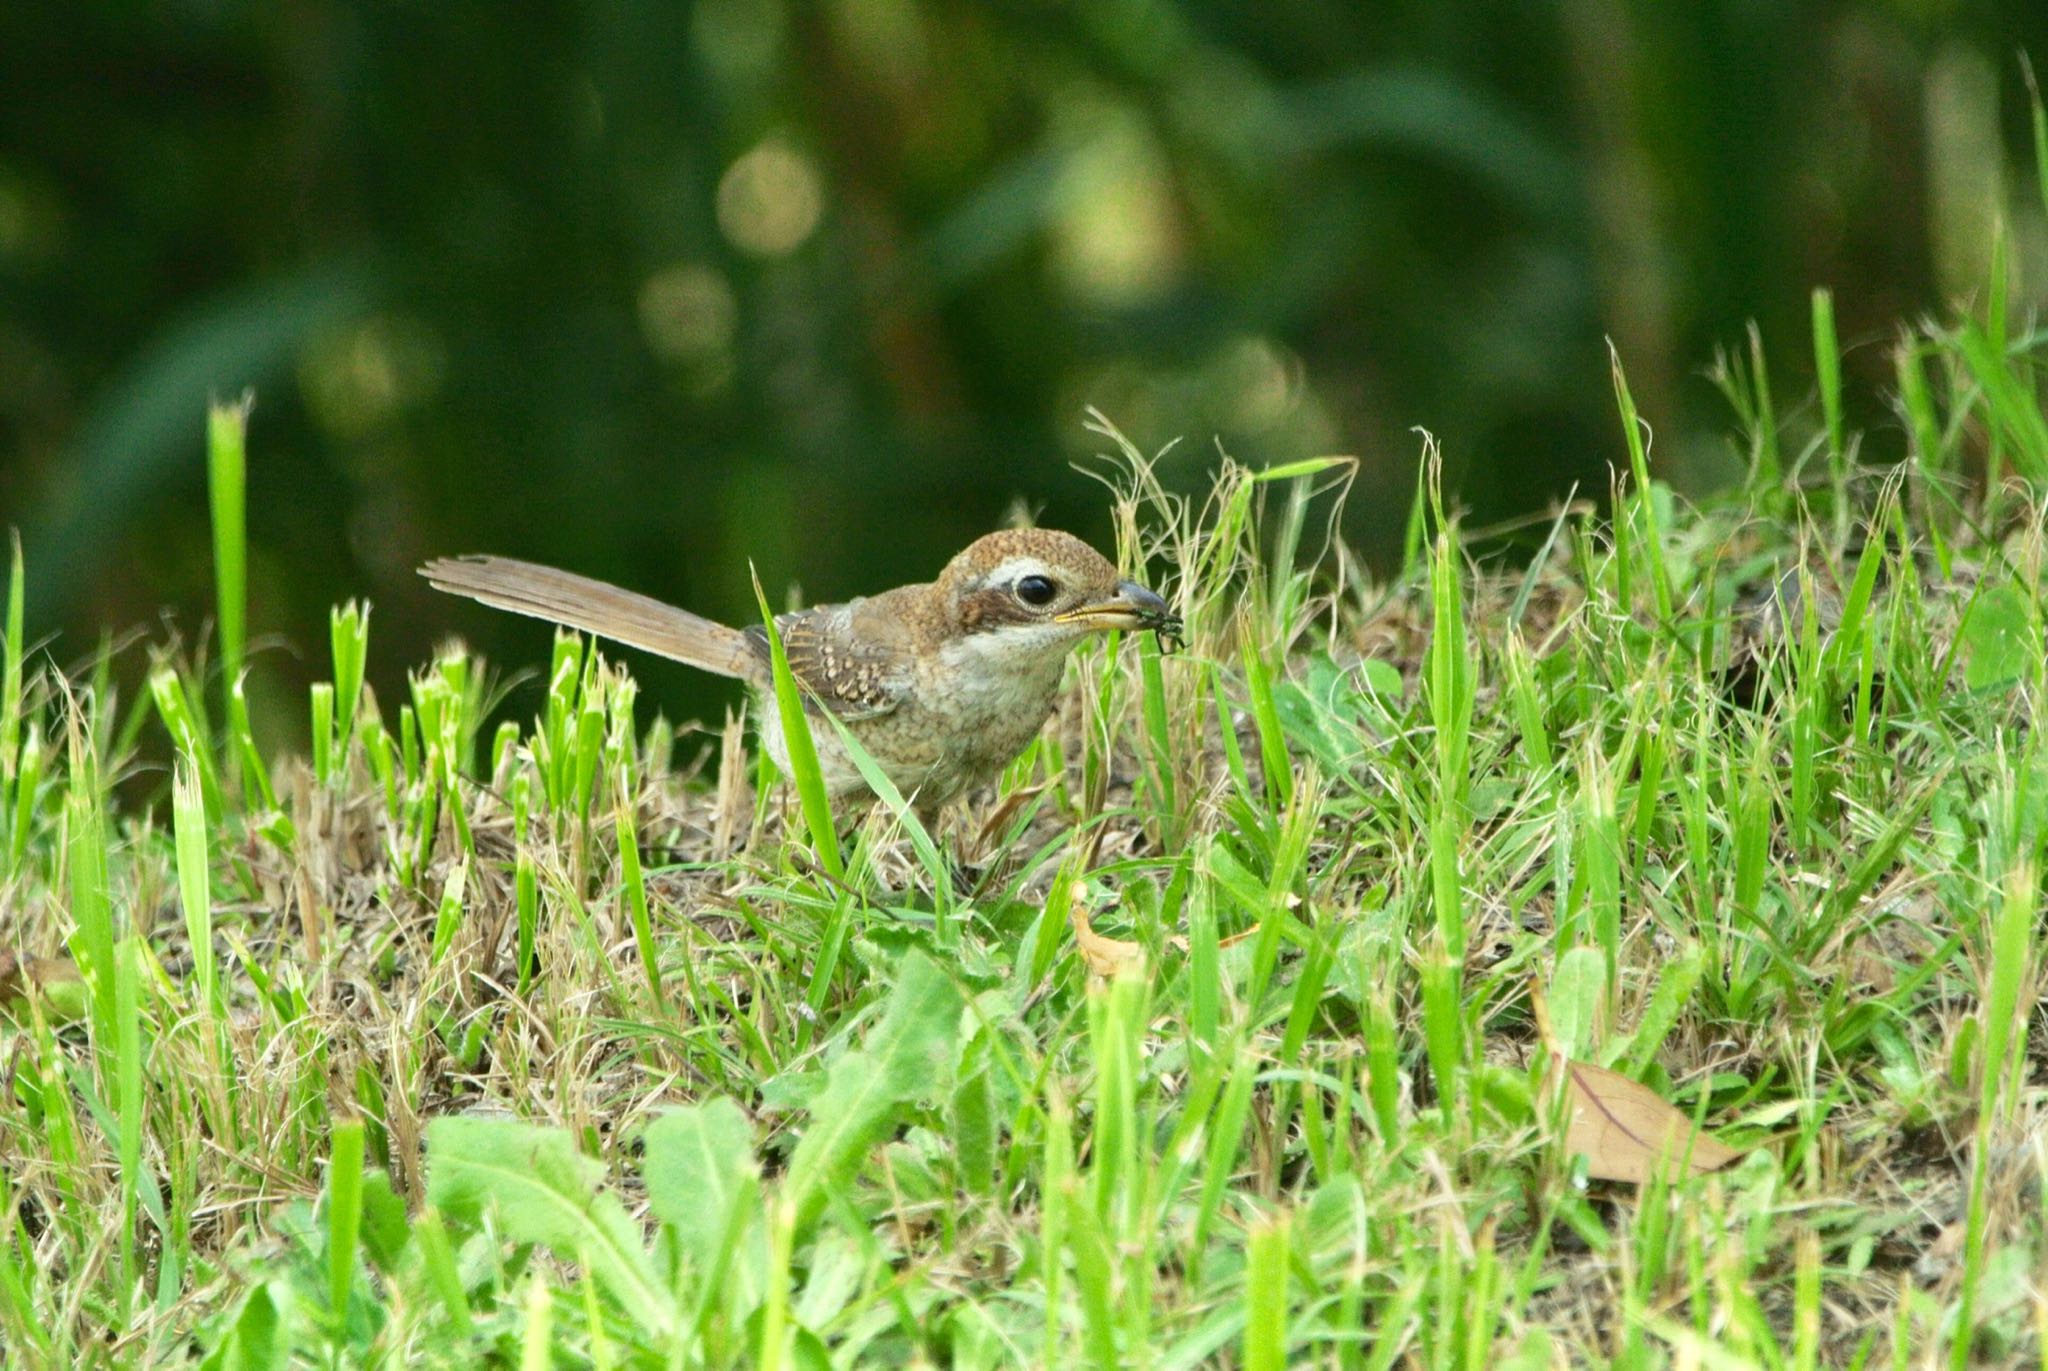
pixel 1038 586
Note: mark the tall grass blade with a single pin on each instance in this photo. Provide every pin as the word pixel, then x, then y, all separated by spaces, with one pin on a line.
pixel 127 1048
pixel 1827 370
pixel 806 775
pixel 1644 504
pixel 227 480
pixel 1265 1325
pixel 12 649
pixel 344 1214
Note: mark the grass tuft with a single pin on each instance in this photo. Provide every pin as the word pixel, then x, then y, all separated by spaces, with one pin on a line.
pixel 1246 1022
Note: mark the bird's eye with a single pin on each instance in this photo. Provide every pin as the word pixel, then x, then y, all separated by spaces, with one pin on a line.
pixel 1036 590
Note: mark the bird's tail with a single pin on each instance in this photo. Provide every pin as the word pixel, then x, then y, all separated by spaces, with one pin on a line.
pixel 578 602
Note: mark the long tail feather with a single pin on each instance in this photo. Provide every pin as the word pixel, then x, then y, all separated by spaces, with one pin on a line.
pixel 577 602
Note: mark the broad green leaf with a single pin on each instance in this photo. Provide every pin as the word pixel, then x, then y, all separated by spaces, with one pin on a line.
pixel 1577 988
pixel 837 1267
pixel 1384 678
pixel 544 1191
pixel 257 1341
pixel 2003 642
pixel 698 1160
pixel 385 1230
pixel 1676 982
pixel 904 1060
pixel 973 1116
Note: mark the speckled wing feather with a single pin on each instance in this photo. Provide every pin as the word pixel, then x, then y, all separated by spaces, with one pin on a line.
pixel 854 659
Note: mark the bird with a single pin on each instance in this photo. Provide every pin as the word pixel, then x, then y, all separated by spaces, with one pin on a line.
pixel 943 683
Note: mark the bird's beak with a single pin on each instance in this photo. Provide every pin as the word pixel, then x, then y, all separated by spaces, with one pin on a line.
pixel 1132 606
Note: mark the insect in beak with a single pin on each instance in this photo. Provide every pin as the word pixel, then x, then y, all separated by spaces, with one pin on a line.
pixel 1133 606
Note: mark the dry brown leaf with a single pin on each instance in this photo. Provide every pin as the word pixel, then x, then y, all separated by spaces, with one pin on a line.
pixel 1871 972
pixel 1623 1128
pixel 1105 956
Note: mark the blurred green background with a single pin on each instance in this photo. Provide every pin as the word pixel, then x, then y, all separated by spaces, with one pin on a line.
pixel 648 290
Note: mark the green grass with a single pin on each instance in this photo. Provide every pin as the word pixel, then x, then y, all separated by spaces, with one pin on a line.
pixel 447 1046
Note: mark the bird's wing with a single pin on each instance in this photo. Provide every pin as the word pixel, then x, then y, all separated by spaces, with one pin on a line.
pixel 856 659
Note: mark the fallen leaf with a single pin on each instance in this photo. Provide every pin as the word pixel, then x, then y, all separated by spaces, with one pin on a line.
pixel 1624 1128
pixel 1105 956
pixel 1870 972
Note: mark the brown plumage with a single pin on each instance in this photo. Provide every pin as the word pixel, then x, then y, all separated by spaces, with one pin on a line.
pixel 943 683
pixel 624 616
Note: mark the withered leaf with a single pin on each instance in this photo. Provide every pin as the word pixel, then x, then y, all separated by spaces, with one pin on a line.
pixel 1104 956
pixel 1624 1128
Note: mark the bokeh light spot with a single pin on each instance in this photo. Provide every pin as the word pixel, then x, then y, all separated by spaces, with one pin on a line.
pixel 1260 383
pixel 1116 242
pixel 770 200
pixel 362 376
pixel 687 312
pixel 738 38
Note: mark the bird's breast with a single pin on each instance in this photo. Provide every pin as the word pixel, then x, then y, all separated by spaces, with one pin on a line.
pixel 1011 673
pixel 977 702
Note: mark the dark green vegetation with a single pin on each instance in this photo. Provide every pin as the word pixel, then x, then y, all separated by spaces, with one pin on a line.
pixel 655 289
pixel 1229 1031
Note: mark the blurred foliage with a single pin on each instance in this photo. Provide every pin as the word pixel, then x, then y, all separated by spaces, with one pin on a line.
pixel 650 290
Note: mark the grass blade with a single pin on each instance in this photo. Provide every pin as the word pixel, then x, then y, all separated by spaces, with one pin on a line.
pixel 803 752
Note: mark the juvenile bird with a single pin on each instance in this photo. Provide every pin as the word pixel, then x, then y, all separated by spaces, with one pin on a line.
pixel 943 683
